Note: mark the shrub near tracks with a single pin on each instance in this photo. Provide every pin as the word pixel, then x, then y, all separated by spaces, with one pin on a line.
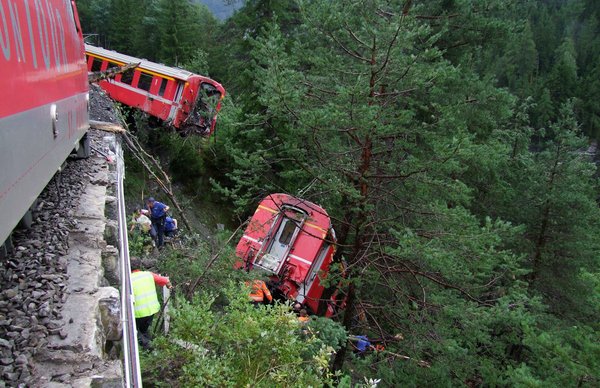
pixel 236 346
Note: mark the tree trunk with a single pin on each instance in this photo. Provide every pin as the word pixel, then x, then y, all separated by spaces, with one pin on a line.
pixel 340 356
pixel 541 240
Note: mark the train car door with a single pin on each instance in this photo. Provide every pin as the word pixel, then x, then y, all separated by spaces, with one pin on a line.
pixel 283 239
pixel 176 106
pixel 312 275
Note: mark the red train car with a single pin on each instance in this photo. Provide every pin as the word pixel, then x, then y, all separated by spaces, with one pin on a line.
pixel 44 108
pixel 293 240
pixel 187 101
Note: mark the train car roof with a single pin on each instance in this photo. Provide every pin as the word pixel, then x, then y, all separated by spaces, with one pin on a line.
pixel 174 72
pixel 317 214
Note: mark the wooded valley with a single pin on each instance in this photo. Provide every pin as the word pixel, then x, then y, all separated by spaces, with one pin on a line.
pixel 453 144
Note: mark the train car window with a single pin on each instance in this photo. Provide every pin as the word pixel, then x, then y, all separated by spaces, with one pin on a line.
pixel 179 91
pixel 127 76
pixel 210 90
pixel 145 81
pixel 112 64
pixel 96 64
pixel 163 87
pixel 288 232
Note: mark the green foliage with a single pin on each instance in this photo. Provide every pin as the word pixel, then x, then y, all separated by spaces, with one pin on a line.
pixel 140 244
pixel 235 345
pixel 194 261
pixel 185 159
pixel 176 25
pixel 177 31
pixel 563 75
pixel 324 333
pixel 198 62
pixel 124 23
pixel 239 161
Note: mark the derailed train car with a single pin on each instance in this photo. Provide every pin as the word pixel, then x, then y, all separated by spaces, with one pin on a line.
pixel 293 241
pixel 44 108
pixel 189 102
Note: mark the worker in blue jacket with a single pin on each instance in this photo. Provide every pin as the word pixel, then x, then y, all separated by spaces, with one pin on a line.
pixel 158 215
pixel 170 227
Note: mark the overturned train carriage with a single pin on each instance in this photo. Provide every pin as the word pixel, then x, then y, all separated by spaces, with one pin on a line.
pixel 293 240
pixel 189 102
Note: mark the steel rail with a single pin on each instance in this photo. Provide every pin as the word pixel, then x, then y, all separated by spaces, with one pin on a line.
pixel 131 359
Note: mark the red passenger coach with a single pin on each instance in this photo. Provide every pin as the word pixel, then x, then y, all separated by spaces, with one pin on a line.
pixel 292 239
pixel 44 106
pixel 187 101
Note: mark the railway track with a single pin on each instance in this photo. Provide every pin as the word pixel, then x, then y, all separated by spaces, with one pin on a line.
pixel 51 295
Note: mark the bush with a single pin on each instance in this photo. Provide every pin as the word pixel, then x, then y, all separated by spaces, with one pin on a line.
pixel 236 345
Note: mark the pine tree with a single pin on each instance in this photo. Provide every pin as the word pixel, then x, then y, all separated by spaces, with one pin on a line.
pixel 590 95
pixel 96 20
pixel 563 227
pixel 179 30
pixel 563 78
pixel 124 24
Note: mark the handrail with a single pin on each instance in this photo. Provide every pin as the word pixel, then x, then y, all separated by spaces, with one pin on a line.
pixel 131 360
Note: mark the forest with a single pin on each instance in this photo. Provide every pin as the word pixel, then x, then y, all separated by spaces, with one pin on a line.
pixel 453 142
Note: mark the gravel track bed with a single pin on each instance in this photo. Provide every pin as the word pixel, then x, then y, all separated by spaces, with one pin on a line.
pixel 33 277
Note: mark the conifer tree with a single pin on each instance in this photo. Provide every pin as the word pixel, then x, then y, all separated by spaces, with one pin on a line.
pixel 124 24
pixel 563 220
pixel 179 30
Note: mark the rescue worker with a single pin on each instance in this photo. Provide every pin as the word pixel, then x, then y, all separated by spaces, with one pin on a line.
pixel 158 214
pixel 170 227
pixel 362 344
pixel 145 299
pixel 296 307
pixel 303 320
pixel 259 291
pixel 303 317
pixel 141 220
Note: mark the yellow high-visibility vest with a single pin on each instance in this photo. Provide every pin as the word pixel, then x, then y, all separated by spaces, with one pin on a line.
pixel 144 294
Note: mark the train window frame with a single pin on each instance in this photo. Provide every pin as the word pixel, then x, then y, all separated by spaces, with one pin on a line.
pixel 288 231
pixel 96 64
pixel 163 86
pixel 127 76
pixel 145 81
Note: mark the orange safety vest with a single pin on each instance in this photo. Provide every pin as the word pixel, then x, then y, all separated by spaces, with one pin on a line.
pixel 259 291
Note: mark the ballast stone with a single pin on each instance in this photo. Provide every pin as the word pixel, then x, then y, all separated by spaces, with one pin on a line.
pixel 90 315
